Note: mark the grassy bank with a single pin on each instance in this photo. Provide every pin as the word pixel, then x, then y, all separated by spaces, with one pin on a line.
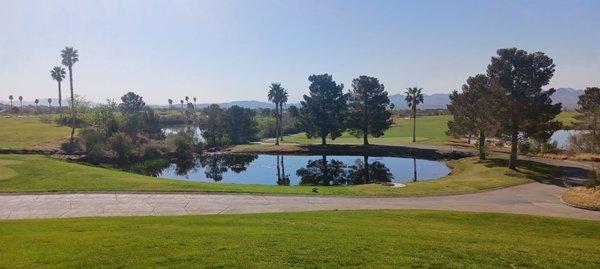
pixel 29 173
pixel 29 133
pixel 430 130
pixel 375 239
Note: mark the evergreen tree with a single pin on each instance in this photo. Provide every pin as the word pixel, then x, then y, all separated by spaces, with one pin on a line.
pixel 474 110
pixel 368 114
pixel 324 109
pixel 241 127
pixel 525 107
pixel 213 125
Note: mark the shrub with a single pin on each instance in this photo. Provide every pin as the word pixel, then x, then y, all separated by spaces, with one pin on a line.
pixel 122 145
pixel 186 144
pixel 594 180
pixel 93 140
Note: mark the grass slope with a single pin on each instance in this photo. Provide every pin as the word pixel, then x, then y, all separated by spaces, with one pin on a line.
pixel 28 173
pixel 30 133
pixel 374 239
pixel 430 130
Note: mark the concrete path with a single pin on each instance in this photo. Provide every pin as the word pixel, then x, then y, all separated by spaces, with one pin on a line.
pixel 532 198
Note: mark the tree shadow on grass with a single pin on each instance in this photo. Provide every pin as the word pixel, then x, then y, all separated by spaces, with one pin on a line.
pixel 562 176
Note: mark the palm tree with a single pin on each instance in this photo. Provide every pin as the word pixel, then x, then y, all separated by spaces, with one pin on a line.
pixel 187 99
pixel 70 56
pixel 194 102
pixel 58 73
pixel 414 97
pixel 10 97
pixel 181 101
pixel 282 100
pixel 170 103
pixel 21 101
pixel 49 103
pixel 275 95
pixel 37 101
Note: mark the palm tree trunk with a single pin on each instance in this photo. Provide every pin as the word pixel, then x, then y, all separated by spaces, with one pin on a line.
pixel 59 96
pixel 414 169
pixel 73 120
pixel 414 108
pixel 367 174
pixel 281 122
pixel 276 124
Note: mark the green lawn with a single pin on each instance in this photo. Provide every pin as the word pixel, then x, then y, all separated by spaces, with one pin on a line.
pixel 373 239
pixel 430 130
pixel 28 173
pixel 567 118
pixel 29 133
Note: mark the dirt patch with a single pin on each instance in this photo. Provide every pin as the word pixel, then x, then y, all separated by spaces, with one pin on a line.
pixel 583 197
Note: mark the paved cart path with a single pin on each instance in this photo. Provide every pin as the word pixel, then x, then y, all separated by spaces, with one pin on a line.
pixel 532 198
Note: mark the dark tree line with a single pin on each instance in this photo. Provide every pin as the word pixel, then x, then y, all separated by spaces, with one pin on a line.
pixel 235 125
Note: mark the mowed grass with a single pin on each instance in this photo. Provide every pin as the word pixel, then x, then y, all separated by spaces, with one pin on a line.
pixel 430 130
pixel 331 239
pixel 567 118
pixel 31 173
pixel 29 133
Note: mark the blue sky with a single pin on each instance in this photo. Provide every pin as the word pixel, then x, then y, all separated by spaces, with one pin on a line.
pixel 231 50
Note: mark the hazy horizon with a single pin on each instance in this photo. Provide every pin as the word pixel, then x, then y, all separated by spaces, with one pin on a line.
pixel 221 51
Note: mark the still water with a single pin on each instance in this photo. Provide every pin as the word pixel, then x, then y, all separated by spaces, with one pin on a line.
pixel 562 137
pixel 295 169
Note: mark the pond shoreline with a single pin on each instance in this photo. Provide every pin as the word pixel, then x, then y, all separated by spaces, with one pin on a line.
pixel 357 150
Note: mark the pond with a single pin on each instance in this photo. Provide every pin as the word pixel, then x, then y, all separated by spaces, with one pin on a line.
pixel 295 169
pixel 562 137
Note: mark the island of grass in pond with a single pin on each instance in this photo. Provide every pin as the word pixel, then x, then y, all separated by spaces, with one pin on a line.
pixel 295 169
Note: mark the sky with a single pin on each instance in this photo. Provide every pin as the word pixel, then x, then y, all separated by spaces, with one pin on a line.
pixel 224 50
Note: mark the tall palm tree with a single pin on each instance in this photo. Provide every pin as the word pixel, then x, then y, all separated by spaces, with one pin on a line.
pixel 181 101
pixel 414 97
pixel 275 95
pixel 10 97
pixel 282 100
pixel 49 103
pixel 70 56
pixel 194 102
pixel 37 101
pixel 187 99
pixel 170 103
pixel 21 101
pixel 58 73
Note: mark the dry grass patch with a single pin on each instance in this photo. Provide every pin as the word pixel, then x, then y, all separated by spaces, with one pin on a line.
pixel 583 197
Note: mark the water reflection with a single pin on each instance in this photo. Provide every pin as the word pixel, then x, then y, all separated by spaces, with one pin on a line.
pixel 294 170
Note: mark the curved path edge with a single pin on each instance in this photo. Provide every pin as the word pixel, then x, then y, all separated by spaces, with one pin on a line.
pixel 533 198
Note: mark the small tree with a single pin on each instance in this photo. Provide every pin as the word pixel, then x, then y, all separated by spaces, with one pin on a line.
pixel 241 127
pixel 324 109
pixel 414 97
pixel 368 113
pixel 36 101
pixel 213 125
pixel 131 106
pixel 170 103
pixel 49 103
pixel 525 107
pixel 589 107
pixel 122 145
pixel 474 110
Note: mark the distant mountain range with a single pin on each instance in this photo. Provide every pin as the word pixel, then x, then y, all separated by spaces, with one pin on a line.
pixel 567 96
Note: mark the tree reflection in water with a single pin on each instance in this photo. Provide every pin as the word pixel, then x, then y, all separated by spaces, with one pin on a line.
pixel 217 164
pixel 334 172
pixel 322 172
pixel 282 178
pixel 363 172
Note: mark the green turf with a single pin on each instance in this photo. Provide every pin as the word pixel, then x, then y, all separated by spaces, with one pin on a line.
pixel 360 239
pixel 29 133
pixel 27 173
pixel 567 118
pixel 430 130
